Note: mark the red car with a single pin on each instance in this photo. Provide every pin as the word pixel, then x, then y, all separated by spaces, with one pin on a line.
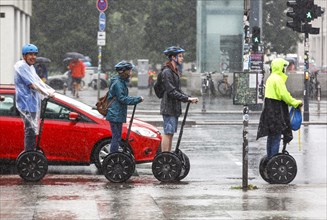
pixel 73 133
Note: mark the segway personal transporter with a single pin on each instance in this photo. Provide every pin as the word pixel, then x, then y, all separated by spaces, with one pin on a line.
pixel 280 169
pixel 118 167
pixel 33 165
pixel 172 166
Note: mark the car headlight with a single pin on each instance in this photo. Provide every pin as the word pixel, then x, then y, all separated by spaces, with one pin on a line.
pixel 143 132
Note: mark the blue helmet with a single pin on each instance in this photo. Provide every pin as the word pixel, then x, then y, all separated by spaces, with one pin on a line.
pixel 29 48
pixel 123 65
pixel 173 51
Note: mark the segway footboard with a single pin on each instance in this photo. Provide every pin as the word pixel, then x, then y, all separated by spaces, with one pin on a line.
pixel 32 165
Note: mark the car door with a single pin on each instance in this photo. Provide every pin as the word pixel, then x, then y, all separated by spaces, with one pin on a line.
pixel 11 128
pixel 63 140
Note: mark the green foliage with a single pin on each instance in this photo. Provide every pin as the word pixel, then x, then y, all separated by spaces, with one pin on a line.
pixel 135 29
pixel 276 35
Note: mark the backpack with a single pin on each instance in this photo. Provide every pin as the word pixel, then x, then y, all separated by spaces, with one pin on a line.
pixel 159 88
pixel 103 104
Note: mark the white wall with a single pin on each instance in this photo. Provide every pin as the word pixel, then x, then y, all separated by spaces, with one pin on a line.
pixel 14 33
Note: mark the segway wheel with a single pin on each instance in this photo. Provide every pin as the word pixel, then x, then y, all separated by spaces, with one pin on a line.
pixel 118 167
pixel 263 169
pixel 282 169
pixel 32 165
pixel 166 167
pixel 185 166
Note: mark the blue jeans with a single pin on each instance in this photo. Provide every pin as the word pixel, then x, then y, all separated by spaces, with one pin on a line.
pixel 273 142
pixel 116 130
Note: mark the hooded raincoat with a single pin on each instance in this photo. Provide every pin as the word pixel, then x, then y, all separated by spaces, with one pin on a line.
pixel 275 115
pixel 117 112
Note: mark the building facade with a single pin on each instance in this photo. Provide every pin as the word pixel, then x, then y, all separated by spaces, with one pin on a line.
pixel 219 35
pixel 14 33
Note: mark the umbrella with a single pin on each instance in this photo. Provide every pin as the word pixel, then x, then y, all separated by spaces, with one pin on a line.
pixel 68 59
pixel 74 55
pixel 87 59
pixel 43 60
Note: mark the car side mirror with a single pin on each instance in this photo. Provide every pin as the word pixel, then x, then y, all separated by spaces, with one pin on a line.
pixel 73 116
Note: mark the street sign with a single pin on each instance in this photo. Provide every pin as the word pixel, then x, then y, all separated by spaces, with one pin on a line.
pixel 102 21
pixel 102 5
pixel 101 38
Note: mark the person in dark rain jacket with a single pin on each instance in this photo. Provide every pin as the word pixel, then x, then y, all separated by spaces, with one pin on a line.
pixel 171 107
pixel 275 119
pixel 117 112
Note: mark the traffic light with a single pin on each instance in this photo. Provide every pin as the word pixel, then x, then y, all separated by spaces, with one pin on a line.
pixel 302 12
pixel 295 13
pixel 256 40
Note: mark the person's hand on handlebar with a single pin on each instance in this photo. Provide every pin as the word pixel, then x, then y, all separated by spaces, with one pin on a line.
pixel 193 99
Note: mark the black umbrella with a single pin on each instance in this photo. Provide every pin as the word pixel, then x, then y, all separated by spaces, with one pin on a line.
pixel 74 55
pixel 43 60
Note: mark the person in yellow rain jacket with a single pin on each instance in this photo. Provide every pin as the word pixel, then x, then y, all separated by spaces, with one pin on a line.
pixel 275 119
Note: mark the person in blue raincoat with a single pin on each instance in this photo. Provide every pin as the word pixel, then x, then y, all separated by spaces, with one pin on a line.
pixel 30 90
pixel 117 112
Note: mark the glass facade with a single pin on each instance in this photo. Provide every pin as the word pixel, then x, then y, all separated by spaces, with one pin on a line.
pixel 219 35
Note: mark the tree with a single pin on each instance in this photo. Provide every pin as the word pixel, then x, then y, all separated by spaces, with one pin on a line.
pixel 134 29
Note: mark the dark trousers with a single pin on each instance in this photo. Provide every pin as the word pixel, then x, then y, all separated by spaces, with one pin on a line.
pixel 116 130
pixel 29 130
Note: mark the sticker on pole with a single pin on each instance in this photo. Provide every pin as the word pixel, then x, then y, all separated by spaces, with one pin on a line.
pixel 102 5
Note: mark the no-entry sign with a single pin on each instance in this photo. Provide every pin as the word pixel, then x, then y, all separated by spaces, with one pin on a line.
pixel 102 5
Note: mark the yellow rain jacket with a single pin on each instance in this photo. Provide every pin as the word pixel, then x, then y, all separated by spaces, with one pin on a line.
pixel 275 117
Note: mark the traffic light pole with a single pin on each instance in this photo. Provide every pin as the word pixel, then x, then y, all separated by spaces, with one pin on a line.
pixel 306 78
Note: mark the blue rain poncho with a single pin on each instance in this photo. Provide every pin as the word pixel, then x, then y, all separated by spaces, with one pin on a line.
pixel 28 100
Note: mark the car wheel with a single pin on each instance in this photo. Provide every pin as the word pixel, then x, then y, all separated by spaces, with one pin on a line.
pixel 101 150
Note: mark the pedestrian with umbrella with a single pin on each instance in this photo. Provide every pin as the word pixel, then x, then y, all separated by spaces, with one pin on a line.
pixel 77 68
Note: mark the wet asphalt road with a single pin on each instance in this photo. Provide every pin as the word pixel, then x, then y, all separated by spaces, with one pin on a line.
pixel 210 191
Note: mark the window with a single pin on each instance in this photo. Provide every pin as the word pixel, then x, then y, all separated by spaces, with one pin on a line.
pixel 56 111
pixel 7 107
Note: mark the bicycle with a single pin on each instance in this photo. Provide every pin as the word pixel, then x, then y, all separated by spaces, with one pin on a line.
pixel 314 86
pixel 208 85
pixel 224 88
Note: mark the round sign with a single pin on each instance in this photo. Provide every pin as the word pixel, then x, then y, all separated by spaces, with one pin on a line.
pixel 102 5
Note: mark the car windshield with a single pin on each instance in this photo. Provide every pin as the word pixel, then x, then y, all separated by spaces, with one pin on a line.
pixel 79 105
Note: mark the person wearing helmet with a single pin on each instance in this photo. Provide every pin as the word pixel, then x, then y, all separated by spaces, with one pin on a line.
pixel 30 90
pixel 170 107
pixel 117 112
pixel 275 119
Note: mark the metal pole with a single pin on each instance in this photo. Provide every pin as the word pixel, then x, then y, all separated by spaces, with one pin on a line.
pixel 306 78
pixel 99 70
pixel 245 147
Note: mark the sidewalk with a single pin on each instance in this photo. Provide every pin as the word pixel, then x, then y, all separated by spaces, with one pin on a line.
pixel 219 110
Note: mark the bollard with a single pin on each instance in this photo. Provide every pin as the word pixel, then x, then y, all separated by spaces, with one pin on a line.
pixel 245 147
